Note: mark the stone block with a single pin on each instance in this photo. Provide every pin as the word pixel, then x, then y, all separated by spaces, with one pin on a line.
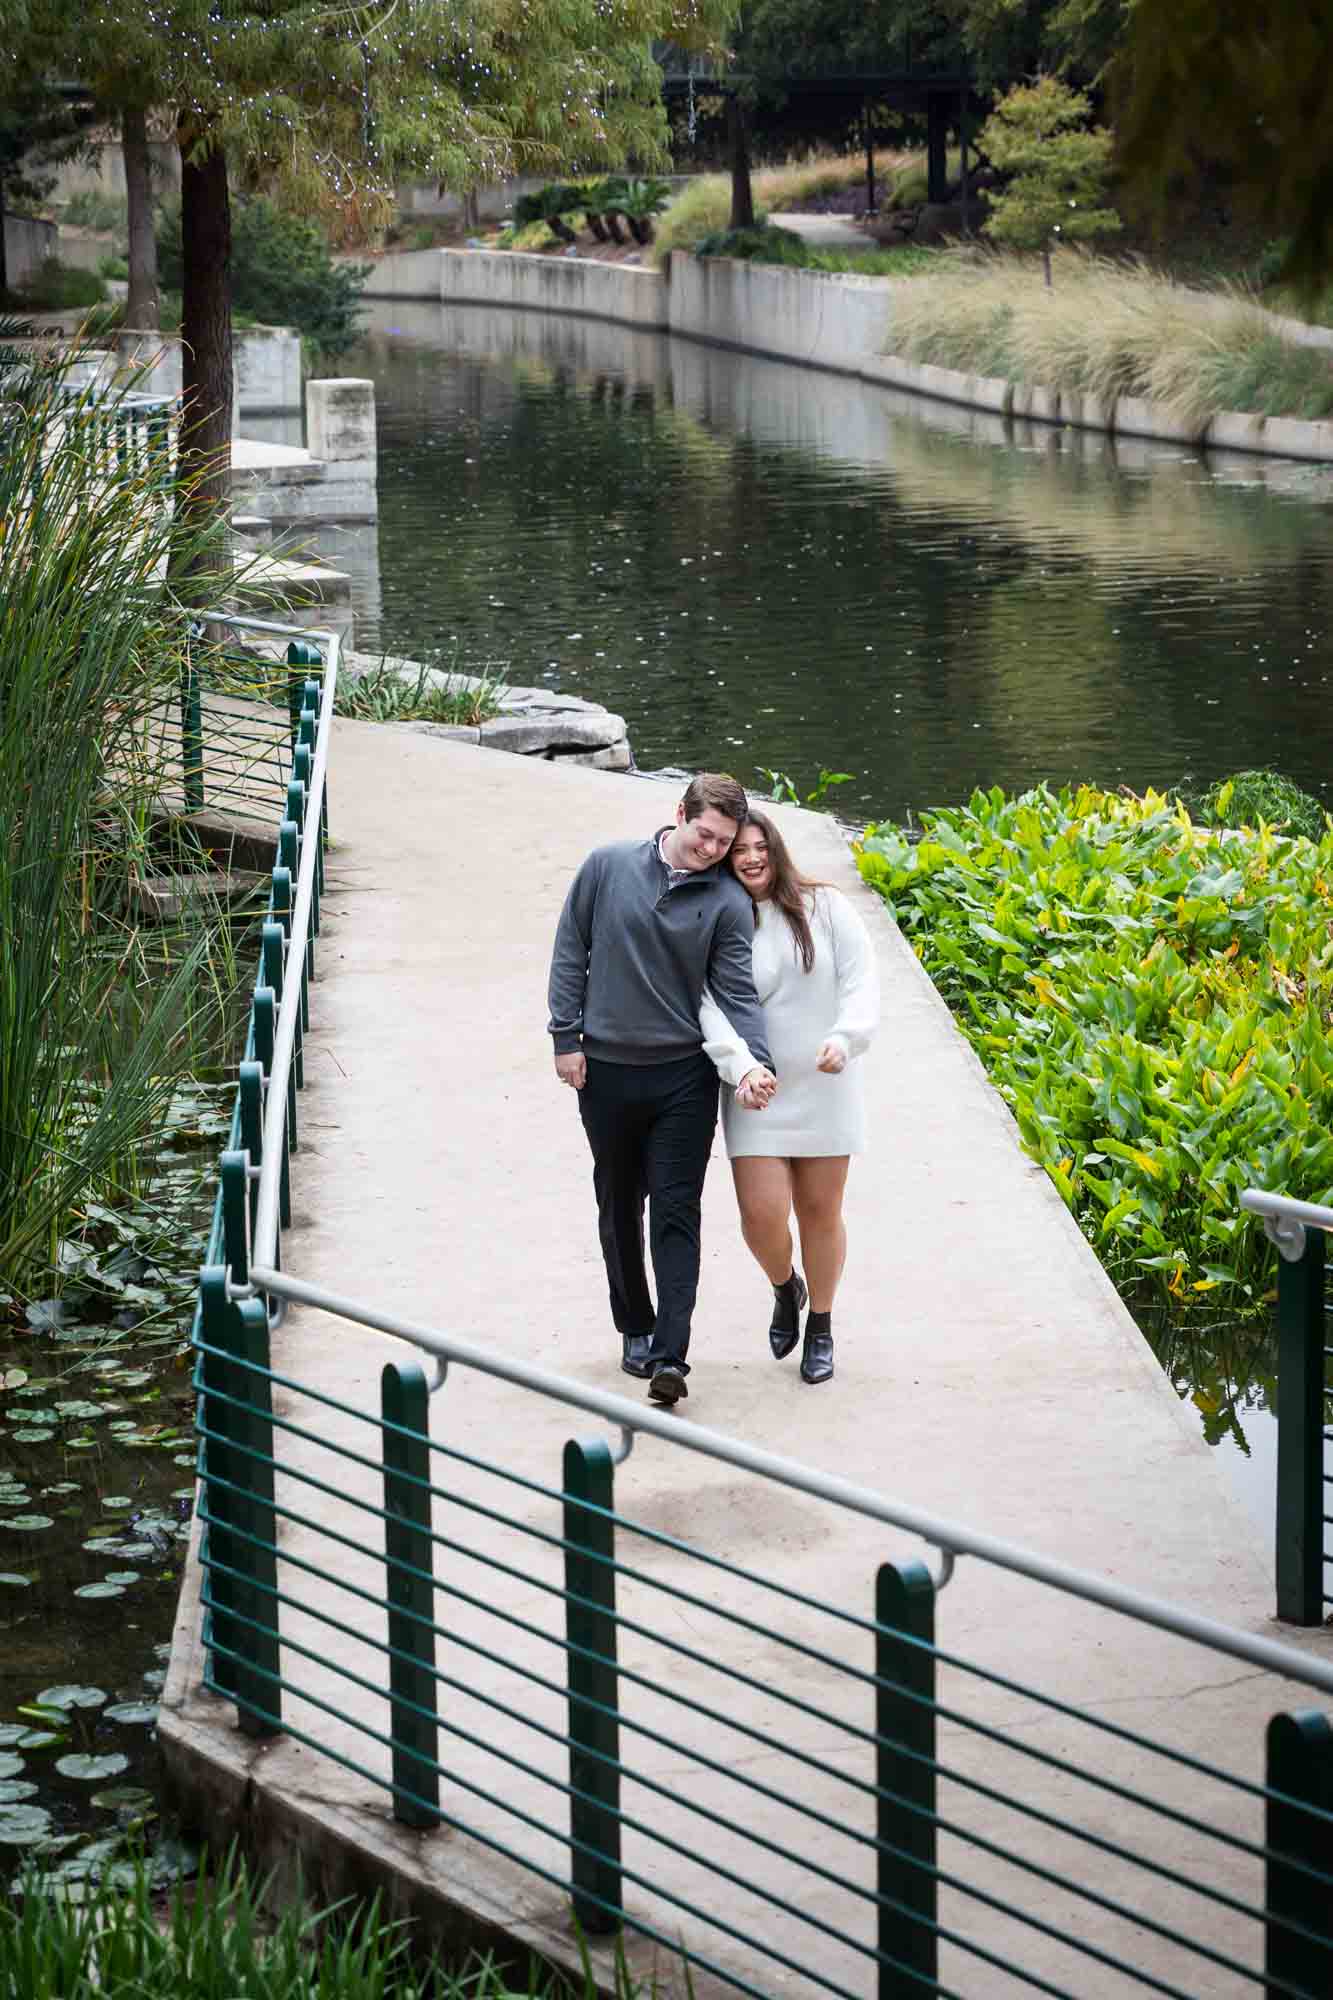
pixel 615 757
pixel 1139 416
pixel 340 423
pixel 547 734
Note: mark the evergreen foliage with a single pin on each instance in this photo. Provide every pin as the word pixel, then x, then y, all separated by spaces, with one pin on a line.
pixel 1055 169
pixel 282 274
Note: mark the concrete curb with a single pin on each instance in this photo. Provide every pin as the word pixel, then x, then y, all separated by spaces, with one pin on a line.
pixel 823 320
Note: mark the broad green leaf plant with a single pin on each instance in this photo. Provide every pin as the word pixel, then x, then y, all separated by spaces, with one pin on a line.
pixel 1151 997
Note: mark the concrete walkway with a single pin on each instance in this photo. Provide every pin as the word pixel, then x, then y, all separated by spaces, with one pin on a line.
pixel 826 232
pixel 986 1371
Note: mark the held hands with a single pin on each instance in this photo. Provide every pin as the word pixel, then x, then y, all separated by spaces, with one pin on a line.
pixel 755 1089
pixel 832 1058
pixel 572 1069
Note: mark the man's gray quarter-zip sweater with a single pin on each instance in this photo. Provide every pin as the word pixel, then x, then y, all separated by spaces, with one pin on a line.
pixel 633 952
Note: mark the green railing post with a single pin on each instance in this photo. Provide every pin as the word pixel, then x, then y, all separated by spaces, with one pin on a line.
pixel 217 1421
pixel 905 1773
pixel 281 906
pixel 235 1177
pixel 259 1694
pixel 301 657
pixel 271 941
pixel 312 699
pixel 265 1006
pixel 410 1596
pixel 594 1714
pixel 1300 1768
pixel 192 726
pixel 1300 1434
pixel 250 1091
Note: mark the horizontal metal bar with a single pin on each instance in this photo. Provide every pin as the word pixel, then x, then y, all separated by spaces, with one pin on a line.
pixel 938 1531
pixel 1283 1209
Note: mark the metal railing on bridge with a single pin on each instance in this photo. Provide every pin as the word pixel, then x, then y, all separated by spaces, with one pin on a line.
pixel 788 1788
pixel 1304 1543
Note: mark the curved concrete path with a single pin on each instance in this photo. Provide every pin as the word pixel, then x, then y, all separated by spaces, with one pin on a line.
pixel 986 1371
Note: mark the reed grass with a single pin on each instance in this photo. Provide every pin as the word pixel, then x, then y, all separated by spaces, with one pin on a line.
pixel 215 1941
pixel 1106 329
pixel 90 657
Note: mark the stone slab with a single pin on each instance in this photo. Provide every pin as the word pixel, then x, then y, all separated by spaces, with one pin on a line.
pixel 552 731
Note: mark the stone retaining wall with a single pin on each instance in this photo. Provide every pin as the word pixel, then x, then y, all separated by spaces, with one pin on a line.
pixel 834 321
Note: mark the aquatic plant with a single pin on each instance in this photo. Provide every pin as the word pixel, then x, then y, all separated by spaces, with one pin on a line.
pixel 90 661
pixel 387 693
pixel 218 1938
pixel 1150 997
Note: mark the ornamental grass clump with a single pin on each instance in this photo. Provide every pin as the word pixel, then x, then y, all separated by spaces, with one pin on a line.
pixel 1151 997
pixel 1106 329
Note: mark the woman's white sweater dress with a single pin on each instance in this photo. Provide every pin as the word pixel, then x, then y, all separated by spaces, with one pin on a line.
pixel 812 1116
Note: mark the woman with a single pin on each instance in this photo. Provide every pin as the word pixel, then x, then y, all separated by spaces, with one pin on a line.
pixel 815 973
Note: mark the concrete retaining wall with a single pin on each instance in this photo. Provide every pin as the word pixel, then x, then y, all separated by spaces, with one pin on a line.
pixel 833 321
pixel 28 243
pixel 267 361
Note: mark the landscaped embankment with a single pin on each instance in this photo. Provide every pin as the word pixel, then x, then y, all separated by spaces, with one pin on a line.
pixel 830 321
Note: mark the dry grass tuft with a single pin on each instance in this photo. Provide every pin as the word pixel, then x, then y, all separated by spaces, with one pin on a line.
pixel 1108 329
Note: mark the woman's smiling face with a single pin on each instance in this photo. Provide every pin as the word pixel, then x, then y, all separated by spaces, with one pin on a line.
pixel 750 862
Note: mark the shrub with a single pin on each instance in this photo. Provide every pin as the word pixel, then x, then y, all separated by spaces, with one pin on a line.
pixel 282 274
pixel 764 244
pixel 112 267
pixel 1149 996
pixel 57 287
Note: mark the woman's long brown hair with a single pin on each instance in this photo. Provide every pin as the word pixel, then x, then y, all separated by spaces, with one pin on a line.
pixel 790 889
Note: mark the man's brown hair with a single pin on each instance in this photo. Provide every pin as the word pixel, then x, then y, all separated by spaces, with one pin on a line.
pixel 719 791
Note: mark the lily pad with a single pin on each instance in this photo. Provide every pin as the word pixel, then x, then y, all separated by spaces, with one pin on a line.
pixel 80 1408
pixel 45 1314
pixel 13 1378
pixel 122 1576
pixel 89 1770
pixel 32 1437
pixel 100 1590
pixel 130 1711
pixel 137 1551
pixel 12 1732
pixel 72 1695
pixel 21 1826
pixel 111 1500
pixel 63 1486
pixel 38 1416
pixel 14 1790
pixel 10 1764
pixel 27 1524
pixel 15 1582
pixel 40 1739
pixel 120 1797
pixel 155 1680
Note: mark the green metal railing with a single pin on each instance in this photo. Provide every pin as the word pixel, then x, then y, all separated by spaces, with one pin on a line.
pixel 789 1789
pixel 1304 1545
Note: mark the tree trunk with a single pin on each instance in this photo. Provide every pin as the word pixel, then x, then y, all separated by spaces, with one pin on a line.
pixel 742 195
pixel 1046 260
pixel 142 306
pixel 204 461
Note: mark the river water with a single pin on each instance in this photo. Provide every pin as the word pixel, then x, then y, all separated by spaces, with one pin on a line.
pixel 764 566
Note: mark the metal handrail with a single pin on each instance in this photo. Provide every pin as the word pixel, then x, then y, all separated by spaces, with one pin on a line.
pixel 265 1244
pixel 1285 1220
pixel 948 1536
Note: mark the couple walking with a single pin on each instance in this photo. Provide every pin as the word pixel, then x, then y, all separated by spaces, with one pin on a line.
pixel 699 954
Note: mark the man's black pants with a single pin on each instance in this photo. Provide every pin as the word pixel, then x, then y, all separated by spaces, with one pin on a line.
pixel 650 1128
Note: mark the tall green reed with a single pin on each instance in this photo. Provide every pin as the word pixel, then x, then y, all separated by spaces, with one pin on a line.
pixel 91 648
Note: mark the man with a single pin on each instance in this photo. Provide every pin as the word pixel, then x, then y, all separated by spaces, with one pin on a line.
pixel 645 924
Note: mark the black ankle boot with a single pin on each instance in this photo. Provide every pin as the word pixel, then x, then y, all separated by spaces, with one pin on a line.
pixel 788 1299
pixel 817 1352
